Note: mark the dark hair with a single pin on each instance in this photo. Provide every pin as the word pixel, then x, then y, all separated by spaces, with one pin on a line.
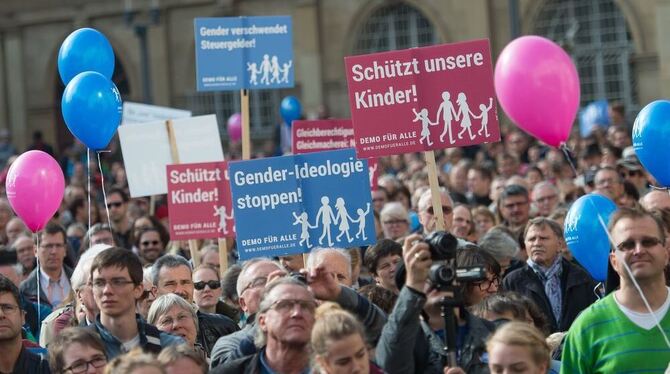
pixel 383 248
pixel 122 259
pixel 52 228
pixel 630 190
pixel 384 298
pixel 169 261
pixel 229 282
pixel 120 191
pixel 156 224
pixel 500 304
pixel 472 255
pixel 535 169
pixel 636 213
pixel 544 222
pixel 483 171
pixel 163 235
pixel 513 190
pixel 7 286
pixel 65 338
pixel 75 204
pixel 538 317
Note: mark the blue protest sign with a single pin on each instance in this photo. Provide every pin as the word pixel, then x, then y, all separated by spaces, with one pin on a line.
pixel 290 204
pixel 235 53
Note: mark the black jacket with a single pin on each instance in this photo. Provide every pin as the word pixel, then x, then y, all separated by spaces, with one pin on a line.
pixel 212 327
pixel 29 362
pixel 245 365
pixel 577 292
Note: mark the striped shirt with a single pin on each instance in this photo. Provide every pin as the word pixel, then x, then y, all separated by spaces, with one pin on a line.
pixel 603 340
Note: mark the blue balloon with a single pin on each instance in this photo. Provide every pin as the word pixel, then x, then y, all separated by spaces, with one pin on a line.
pixel 290 109
pixel 594 115
pixel 651 137
pixel 91 108
pixel 585 235
pixel 85 50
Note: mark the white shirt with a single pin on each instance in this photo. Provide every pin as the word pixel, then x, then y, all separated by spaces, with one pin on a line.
pixel 61 287
pixel 132 343
pixel 646 320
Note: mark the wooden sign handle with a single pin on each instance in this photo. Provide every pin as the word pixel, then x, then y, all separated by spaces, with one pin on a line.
pixel 434 190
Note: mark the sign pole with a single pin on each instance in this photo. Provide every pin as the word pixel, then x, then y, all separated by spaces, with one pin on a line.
pixel 246 136
pixel 192 243
pixel 434 189
pixel 223 255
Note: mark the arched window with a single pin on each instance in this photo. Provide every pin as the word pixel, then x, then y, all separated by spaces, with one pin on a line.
pixel 391 27
pixel 595 34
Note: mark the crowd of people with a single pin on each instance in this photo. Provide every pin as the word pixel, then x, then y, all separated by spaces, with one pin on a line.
pixel 92 295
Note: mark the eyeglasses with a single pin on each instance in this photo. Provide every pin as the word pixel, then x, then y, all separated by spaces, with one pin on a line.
pixel 446 210
pixel 255 283
pixel 631 173
pixel 181 317
pixel 8 309
pixel 213 285
pixel 287 305
pixel 488 285
pixel 645 242
pixel 149 242
pixel 79 367
pixel 50 246
pixel 114 205
pixel 395 222
pixel 115 283
pixel 147 293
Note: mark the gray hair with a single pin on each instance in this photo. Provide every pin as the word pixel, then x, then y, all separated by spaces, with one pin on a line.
pixel 394 210
pixel 546 184
pixel 499 244
pixel 317 252
pixel 239 286
pixel 169 261
pixel 164 303
pixel 426 198
pixel 260 339
pixel 82 271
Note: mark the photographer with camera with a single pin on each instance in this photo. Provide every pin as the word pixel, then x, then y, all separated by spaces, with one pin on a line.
pixel 417 320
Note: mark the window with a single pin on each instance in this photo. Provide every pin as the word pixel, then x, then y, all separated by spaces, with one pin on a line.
pixel 594 32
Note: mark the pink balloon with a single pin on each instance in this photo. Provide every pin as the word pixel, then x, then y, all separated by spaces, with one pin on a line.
pixel 235 127
pixel 538 87
pixel 35 186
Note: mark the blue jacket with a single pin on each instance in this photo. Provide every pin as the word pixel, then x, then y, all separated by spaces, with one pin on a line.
pixel 151 339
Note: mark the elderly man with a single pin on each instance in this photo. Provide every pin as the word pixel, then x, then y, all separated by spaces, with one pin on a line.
pixel 285 321
pixel 427 215
pixel 621 333
pixel 655 200
pixel 173 274
pixel 546 198
pixel 559 288
pixel 332 260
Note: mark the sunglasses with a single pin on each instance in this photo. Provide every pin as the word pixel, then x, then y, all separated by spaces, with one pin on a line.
pixel 213 285
pixel 446 210
pixel 149 242
pixel 646 242
pixel 114 205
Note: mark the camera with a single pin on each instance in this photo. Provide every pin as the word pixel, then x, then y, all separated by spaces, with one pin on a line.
pixel 444 271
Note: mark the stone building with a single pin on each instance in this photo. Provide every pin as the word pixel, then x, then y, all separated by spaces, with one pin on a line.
pixel 619 46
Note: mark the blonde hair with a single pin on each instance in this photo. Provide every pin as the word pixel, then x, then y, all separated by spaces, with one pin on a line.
pixel 333 323
pixel 523 335
pixel 131 361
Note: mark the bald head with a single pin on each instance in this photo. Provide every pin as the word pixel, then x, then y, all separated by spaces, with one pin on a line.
pixel 655 200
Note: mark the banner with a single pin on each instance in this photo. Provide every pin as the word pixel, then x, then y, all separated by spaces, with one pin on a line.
pixel 236 53
pixel 421 99
pixel 142 113
pixel 328 135
pixel 199 201
pixel 290 204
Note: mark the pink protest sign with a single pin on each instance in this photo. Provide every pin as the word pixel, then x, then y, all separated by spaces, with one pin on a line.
pixel 199 201
pixel 328 135
pixel 421 99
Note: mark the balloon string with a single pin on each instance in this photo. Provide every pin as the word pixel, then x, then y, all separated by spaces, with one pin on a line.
pixel 39 309
pixel 566 152
pixel 88 186
pixel 104 195
pixel 632 278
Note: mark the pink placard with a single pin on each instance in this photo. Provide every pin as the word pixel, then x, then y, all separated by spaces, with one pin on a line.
pixel 328 135
pixel 421 99
pixel 199 201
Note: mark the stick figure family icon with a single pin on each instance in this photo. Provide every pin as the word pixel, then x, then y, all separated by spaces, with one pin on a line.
pixel 326 217
pixel 269 70
pixel 223 218
pixel 449 114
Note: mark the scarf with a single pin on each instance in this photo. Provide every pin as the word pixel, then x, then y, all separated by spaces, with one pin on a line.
pixel 551 279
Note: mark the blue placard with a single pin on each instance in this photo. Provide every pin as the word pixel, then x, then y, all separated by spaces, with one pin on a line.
pixel 235 53
pixel 290 204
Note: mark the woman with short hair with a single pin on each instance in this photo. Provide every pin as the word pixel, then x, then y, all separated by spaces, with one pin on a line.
pixel 171 313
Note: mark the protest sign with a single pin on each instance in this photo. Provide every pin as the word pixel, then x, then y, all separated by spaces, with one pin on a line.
pixel 234 53
pixel 328 135
pixel 199 201
pixel 142 113
pixel 146 150
pixel 422 99
pixel 288 205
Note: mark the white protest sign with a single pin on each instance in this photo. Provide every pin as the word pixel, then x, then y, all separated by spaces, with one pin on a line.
pixel 143 113
pixel 146 150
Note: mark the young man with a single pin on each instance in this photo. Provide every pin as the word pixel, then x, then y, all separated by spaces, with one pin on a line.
pixel 619 333
pixel 116 278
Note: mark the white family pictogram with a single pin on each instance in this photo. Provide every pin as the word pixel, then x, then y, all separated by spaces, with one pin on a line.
pixel 269 71
pixel 325 217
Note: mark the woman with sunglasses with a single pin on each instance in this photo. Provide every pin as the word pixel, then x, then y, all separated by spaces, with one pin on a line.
pixel 207 285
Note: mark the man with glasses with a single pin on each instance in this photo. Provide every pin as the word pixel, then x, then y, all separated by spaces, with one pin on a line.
pixel 117 204
pixel 100 233
pixel 622 332
pixel 632 171
pixel 546 198
pixel 116 279
pixel 53 276
pixel 285 320
pixel 427 215
pixel 150 245
pixel 15 358
pixel 559 288
pixel 173 274
pixel 24 246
